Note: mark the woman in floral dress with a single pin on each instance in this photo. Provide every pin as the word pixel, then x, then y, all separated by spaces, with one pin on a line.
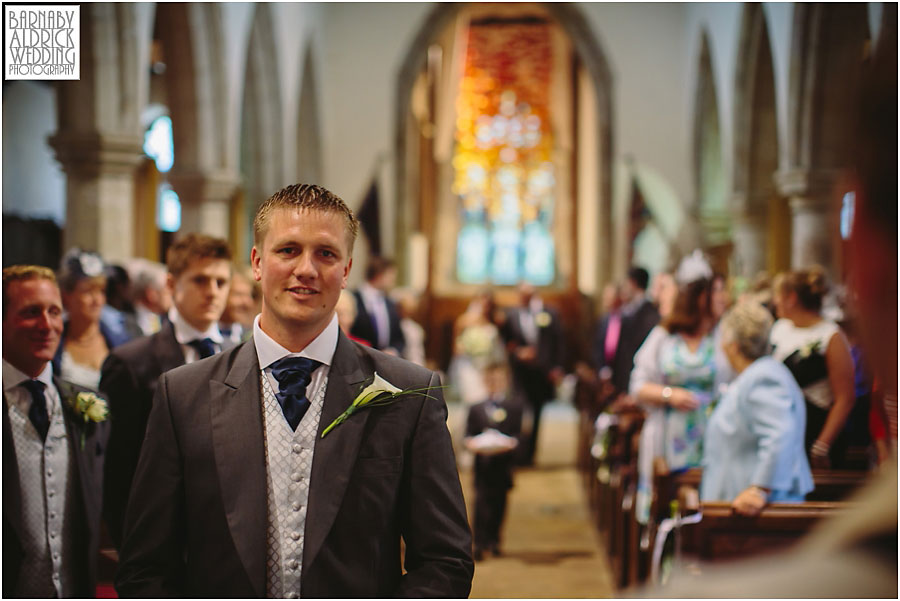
pixel 674 380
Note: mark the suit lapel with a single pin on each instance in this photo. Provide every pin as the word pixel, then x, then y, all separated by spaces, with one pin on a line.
pixel 167 350
pixel 335 454
pixel 237 434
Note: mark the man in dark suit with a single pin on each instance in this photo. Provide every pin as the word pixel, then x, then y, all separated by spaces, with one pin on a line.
pixel 199 272
pixel 533 336
pixel 240 492
pixel 52 456
pixel 377 316
pixel 637 317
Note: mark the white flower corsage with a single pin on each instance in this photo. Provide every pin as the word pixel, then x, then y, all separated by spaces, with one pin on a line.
pixel 378 392
pixel 543 319
pixel 90 407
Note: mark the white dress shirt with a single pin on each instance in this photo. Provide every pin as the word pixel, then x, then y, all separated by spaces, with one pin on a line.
pixel 185 333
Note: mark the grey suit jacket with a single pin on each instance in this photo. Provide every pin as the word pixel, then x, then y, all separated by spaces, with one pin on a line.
pixel 89 473
pixel 196 525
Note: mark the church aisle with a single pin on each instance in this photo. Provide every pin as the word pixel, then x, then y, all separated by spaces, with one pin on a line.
pixel 550 548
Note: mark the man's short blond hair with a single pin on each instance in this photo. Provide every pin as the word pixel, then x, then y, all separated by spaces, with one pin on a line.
pixel 748 324
pixel 303 196
pixel 22 273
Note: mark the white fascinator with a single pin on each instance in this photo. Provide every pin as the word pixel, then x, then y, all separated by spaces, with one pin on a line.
pixel 692 268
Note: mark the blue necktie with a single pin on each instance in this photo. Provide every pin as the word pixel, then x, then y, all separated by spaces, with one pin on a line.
pixel 38 411
pixel 205 347
pixel 293 375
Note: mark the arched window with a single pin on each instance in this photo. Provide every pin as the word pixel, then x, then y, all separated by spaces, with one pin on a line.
pixel 503 172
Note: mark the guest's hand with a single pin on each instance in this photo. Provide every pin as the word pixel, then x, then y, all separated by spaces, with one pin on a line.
pixel 683 399
pixel 818 456
pixel 750 501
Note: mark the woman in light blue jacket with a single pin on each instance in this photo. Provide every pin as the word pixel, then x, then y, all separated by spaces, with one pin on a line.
pixel 753 447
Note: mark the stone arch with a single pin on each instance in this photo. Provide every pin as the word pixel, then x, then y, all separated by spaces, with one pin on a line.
pixel 309 137
pixel 756 154
pixel 828 45
pixel 709 174
pixel 261 115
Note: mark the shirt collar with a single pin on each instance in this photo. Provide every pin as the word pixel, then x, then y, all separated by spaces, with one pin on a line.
pixel 535 305
pixel 12 376
pixel 321 349
pixel 634 304
pixel 185 332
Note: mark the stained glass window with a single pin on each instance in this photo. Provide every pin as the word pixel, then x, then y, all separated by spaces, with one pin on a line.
pixel 504 176
pixel 159 144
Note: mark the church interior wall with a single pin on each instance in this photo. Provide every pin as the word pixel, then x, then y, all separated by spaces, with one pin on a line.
pixel 358 49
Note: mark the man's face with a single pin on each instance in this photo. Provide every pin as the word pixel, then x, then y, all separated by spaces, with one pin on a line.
pixel 240 307
pixel 32 325
pixel 303 263
pixel 200 292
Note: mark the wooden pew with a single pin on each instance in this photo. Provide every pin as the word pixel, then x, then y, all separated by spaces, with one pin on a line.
pixel 722 535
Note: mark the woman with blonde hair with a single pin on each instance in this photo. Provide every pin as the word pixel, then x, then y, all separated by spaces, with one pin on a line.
pixel 818 355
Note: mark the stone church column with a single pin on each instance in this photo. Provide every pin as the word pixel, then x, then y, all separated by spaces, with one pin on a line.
pixel 748 235
pixel 809 194
pixel 205 201
pixel 99 190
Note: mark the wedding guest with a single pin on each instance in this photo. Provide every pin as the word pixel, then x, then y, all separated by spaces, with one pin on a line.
pixel 86 340
pixel 52 456
pixel 413 333
pixel 533 335
pixel 377 316
pixel 753 449
pixel 150 295
pixel 236 323
pixel 345 309
pixel 817 353
pixel 638 318
pixel 674 379
pixel 199 272
pixel 476 344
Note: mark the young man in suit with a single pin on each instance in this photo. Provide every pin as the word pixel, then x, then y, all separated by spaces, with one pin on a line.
pixel 377 315
pixel 199 273
pixel 239 494
pixel 533 335
pixel 52 457
pixel 639 316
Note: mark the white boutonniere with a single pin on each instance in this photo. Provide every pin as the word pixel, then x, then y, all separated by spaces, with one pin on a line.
pixel 378 392
pixel 543 319
pixel 89 407
pixel 498 415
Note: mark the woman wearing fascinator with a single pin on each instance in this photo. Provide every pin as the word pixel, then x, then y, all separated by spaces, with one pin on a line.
pixel 86 341
pixel 674 379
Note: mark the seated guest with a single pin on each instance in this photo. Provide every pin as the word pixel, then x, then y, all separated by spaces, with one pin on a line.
pixel 52 456
pixel 753 449
pixel 818 354
pixel 199 274
pixel 86 340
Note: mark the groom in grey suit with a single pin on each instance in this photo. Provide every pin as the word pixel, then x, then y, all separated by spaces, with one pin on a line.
pixel 238 493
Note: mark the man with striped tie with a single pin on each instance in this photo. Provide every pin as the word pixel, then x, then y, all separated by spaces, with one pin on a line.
pixel 199 274
pixel 52 456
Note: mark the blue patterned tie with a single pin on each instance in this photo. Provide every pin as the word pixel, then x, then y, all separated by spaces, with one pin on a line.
pixel 293 375
pixel 38 411
pixel 205 347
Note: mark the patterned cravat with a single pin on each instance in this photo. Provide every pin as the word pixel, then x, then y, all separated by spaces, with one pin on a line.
pixel 38 411
pixel 293 375
pixel 205 347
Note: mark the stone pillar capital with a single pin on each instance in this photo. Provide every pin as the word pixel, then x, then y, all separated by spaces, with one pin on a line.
pixel 94 154
pixel 807 182
pixel 205 199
